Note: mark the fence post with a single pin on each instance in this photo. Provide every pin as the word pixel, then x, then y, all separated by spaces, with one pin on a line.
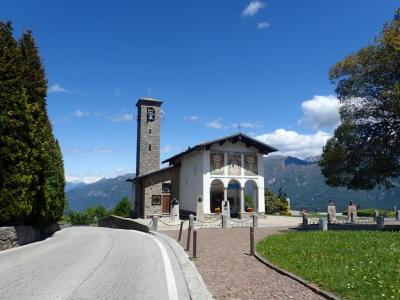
pixel 376 215
pixel 224 221
pixel 155 223
pixel 191 223
pixel 305 220
pixel 255 220
pixel 380 222
pixel 323 224
pixel 180 232
pixel 194 243
pixel 398 215
pixel 252 241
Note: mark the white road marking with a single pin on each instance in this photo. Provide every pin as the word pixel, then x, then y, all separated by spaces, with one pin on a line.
pixel 169 274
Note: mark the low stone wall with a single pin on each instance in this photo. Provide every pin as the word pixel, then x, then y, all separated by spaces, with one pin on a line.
pixel 123 223
pixel 14 236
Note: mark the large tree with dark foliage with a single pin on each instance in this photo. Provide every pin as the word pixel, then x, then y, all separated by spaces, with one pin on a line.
pixel 50 198
pixel 365 149
pixel 17 171
pixel 31 167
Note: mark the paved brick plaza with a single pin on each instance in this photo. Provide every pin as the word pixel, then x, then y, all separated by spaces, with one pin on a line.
pixel 230 273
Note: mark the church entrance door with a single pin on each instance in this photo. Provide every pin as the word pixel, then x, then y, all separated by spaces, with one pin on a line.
pixel 166 204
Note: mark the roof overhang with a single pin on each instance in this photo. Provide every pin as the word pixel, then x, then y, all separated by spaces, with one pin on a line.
pixel 240 137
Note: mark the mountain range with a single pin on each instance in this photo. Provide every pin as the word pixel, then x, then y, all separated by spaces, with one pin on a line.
pixel 106 192
pixel 300 179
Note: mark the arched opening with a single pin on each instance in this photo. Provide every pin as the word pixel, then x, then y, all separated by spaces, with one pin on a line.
pixel 216 194
pixel 251 195
pixel 234 195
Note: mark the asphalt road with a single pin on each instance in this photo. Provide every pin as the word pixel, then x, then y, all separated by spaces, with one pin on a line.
pixel 92 263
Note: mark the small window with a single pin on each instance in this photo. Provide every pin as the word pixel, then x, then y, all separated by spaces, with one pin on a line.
pixel 166 188
pixel 149 131
pixel 149 147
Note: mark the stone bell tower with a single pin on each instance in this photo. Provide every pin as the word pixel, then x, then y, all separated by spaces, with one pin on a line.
pixel 148 136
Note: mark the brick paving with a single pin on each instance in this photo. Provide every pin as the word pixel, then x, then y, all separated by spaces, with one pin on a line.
pixel 231 273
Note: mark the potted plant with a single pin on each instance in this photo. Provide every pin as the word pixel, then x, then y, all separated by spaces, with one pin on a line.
pixel 250 204
pixel 217 210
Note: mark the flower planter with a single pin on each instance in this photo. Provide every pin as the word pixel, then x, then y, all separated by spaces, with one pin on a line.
pixel 249 209
pixel 217 210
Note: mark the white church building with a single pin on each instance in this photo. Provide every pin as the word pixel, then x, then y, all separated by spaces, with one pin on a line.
pixel 225 169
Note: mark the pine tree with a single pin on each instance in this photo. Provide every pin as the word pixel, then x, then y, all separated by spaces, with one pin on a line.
pixel 17 175
pixel 50 198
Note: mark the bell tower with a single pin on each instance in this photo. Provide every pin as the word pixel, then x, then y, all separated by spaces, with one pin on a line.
pixel 148 135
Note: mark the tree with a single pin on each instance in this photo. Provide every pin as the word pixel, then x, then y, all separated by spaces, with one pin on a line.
pixel 31 167
pixel 17 167
pixel 275 204
pixel 123 208
pixel 365 149
pixel 46 153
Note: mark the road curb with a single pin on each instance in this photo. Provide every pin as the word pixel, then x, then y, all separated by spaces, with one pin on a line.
pixel 314 288
pixel 195 284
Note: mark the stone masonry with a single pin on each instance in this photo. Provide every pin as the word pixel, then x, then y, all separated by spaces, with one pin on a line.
pixel 148 136
pixel 149 185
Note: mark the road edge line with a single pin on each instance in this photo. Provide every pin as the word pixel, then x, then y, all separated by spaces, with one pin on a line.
pixel 195 283
pixel 169 274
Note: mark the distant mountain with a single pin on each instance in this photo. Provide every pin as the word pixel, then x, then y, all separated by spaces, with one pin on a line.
pixel 304 184
pixel 105 192
pixel 300 179
pixel 72 185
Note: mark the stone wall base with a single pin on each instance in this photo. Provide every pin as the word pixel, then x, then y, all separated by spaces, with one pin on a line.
pixel 14 236
pixel 122 223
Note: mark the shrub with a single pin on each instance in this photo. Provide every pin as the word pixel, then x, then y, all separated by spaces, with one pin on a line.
pixel 276 204
pixel 123 208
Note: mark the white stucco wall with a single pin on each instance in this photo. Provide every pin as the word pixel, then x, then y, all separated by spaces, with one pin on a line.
pixel 208 178
pixel 191 181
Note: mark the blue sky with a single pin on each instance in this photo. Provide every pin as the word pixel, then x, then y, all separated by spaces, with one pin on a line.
pixel 215 64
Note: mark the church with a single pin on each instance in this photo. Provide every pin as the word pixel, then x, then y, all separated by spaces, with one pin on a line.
pixel 225 169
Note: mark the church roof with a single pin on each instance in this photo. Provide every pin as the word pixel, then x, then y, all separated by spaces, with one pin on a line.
pixel 132 179
pixel 149 101
pixel 238 137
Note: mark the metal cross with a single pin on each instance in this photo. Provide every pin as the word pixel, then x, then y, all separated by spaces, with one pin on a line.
pixel 240 128
pixel 149 91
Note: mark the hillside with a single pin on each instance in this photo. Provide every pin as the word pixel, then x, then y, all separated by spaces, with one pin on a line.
pixel 304 184
pixel 300 179
pixel 105 192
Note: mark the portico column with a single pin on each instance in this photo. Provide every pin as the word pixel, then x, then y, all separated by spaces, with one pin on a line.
pixel 225 194
pixel 241 199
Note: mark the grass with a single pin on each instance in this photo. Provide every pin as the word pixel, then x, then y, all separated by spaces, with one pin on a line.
pixel 351 264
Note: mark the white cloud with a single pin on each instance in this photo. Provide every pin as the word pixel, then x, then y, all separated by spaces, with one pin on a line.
pixel 217 124
pixel 86 178
pixel 253 8
pixel 166 149
pixel 120 171
pixel 88 150
pixel 79 113
pixel 263 25
pixel 247 125
pixel 191 118
pixel 321 112
pixel 56 88
pixel 294 144
pixel 121 118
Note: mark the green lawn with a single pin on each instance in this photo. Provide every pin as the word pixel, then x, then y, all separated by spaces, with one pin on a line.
pixel 351 264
